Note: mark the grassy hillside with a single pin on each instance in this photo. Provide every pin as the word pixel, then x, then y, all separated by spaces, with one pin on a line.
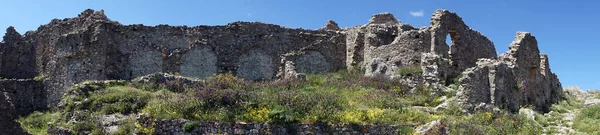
pixel 334 98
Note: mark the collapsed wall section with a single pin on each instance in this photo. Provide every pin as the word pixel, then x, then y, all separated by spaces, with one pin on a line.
pixel 519 77
pixel 385 45
pixel 538 85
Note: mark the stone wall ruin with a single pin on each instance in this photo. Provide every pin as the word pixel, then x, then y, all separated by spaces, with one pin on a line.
pixel 93 47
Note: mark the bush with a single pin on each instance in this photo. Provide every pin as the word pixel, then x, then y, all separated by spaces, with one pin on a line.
pixel 588 120
pixel 190 126
pixel 118 99
pixel 410 70
pixel 37 122
pixel 126 126
pixel 491 123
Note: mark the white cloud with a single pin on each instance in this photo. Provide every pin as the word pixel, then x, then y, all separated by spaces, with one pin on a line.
pixel 417 13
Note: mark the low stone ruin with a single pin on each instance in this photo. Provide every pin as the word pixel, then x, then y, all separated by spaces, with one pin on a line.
pixel 93 47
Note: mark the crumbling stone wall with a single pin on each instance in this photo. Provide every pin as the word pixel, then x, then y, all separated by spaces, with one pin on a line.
pixel 319 57
pixel 93 47
pixel 519 77
pixel 385 45
pixel 8 116
pixel 25 95
pixel 538 86
pixel 467 44
pixel 17 56
pixel 200 62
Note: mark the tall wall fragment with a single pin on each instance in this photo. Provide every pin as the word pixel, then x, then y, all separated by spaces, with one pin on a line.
pixel 18 56
pixel 467 45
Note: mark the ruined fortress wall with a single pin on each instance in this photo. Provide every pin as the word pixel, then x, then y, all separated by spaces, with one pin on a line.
pixel 92 47
pixel 17 56
pixel 467 45
pixel 24 95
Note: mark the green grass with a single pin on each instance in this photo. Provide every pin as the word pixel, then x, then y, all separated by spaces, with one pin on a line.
pixel 564 106
pixel 492 124
pixel 37 122
pixel 410 70
pixel 126 126
pixel 88 106
pixel 39 78
pixel 588 120
pixel 118 99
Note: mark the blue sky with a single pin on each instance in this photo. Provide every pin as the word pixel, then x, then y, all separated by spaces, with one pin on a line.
pixel 567 31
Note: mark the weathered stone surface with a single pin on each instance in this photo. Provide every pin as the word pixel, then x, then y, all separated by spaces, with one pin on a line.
pixel 26 95
pixel 256 66
pixel 383 18
pixel 474 87
pixel 331 25
pixel 376 67
pixel 200 62
pixel 355 46
pixel 18 56
pixel 93 47
pixel 503 87
pixel 538 87
pixel 145 62
pixel 162 80
pixel 524 57
pixel 312 62
pixel 435 71
pixel 551 84
pixel 467 45
pixel 7 117
pixel 288 71
pixel 436 127
pixel 394 44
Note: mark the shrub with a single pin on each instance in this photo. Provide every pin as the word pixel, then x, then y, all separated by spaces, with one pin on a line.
pixel 118 99
pixel 39 78
pixel 260 114
pixel 410 70
pixel 588 120
pixel 492 123
pixel 37 122
pixel 126 126
pixel 190 126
